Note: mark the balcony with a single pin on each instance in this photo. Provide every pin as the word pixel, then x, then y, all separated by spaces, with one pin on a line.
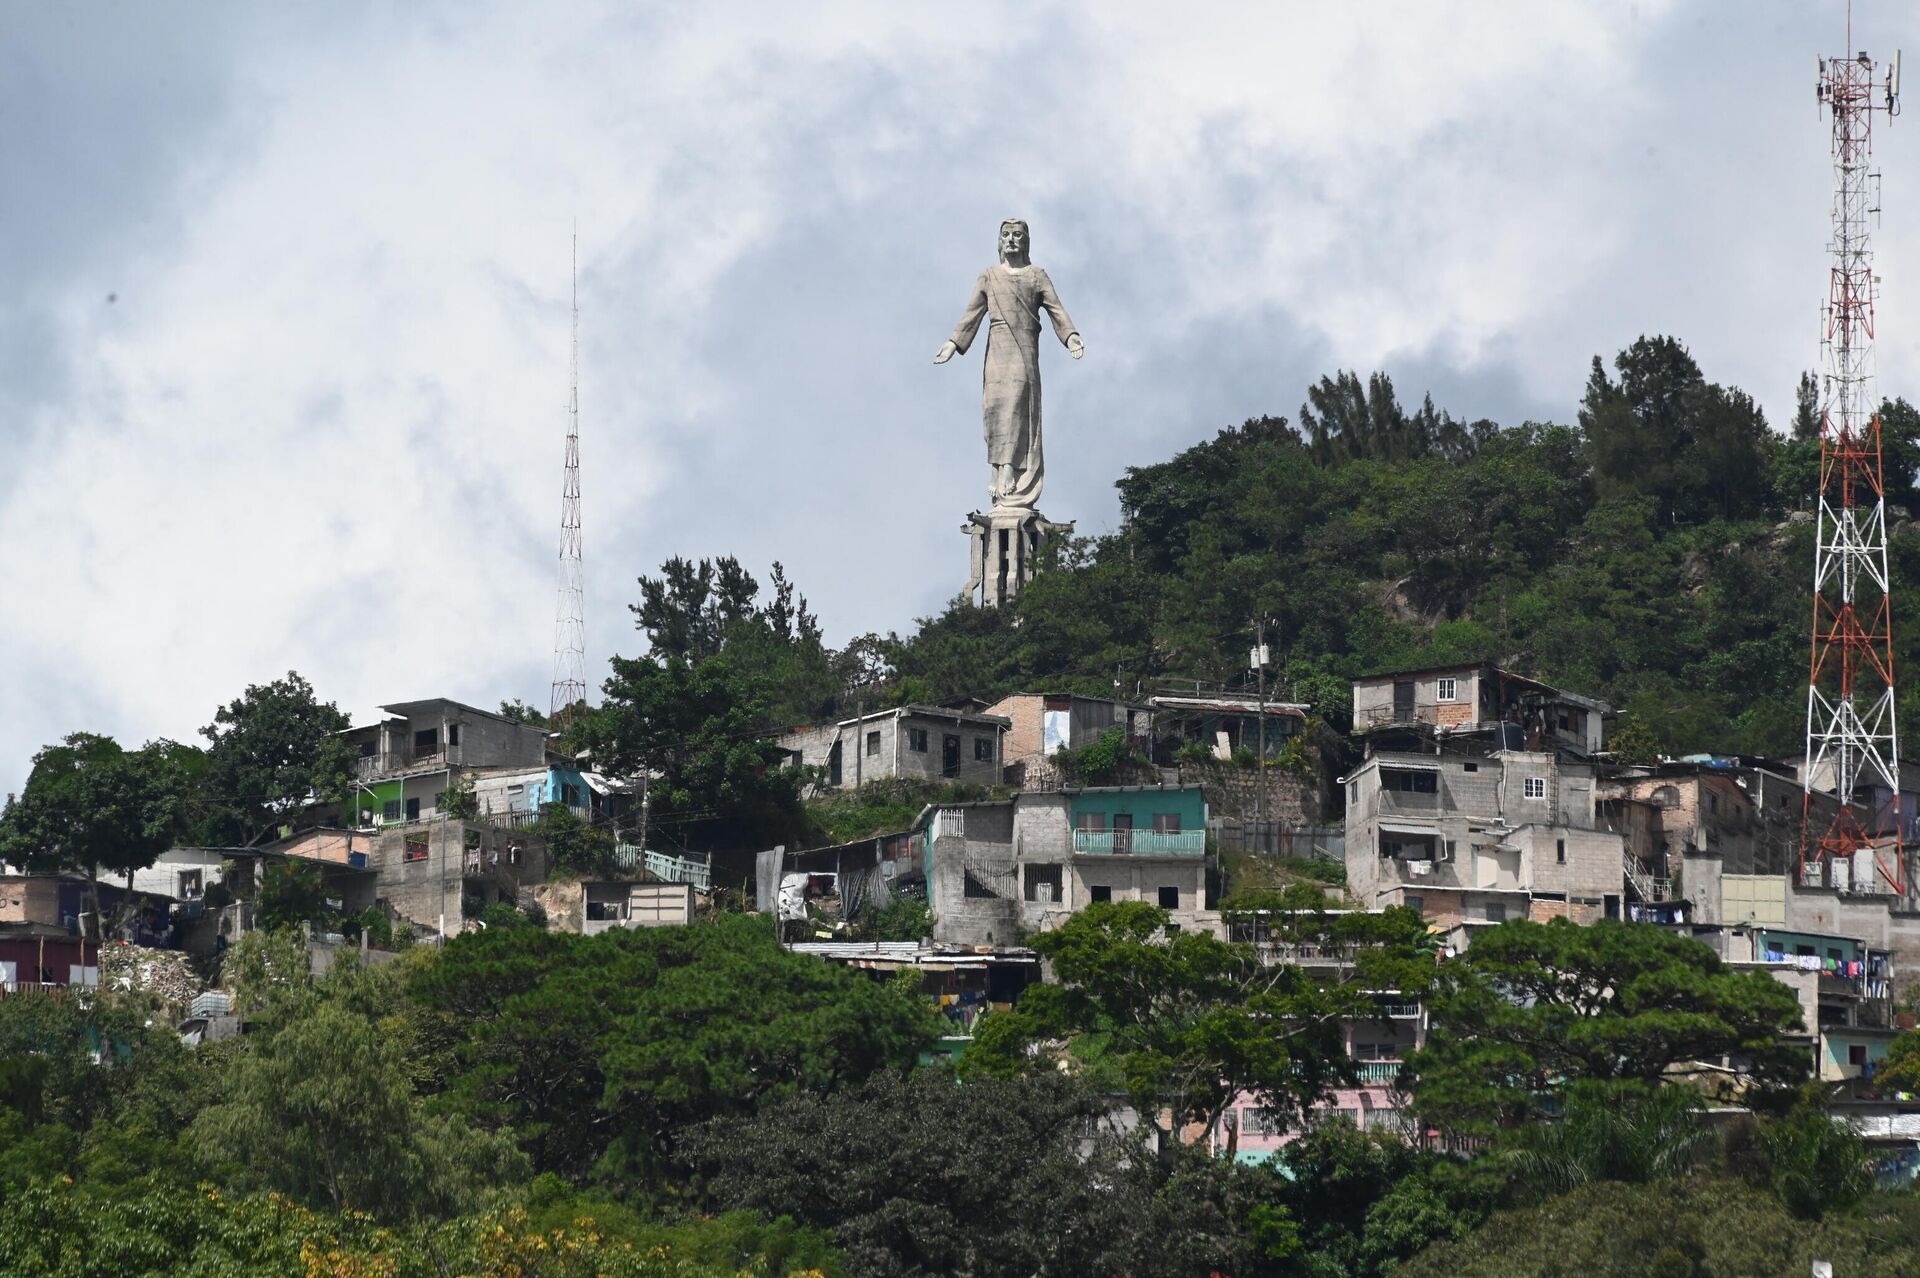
pixel 1139 843
pixel 1279 953
pixel 395 761
pixel 1377 1071
pixel 1415 802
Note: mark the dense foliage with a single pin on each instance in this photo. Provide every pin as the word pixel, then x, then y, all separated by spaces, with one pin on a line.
pixel 1534 1007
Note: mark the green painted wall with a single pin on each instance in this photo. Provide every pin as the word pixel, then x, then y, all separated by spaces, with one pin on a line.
pixel 374 798
pixel 1776 938
pixel 1144 805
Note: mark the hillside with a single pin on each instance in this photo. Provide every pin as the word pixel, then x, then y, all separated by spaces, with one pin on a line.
pixel 1655 554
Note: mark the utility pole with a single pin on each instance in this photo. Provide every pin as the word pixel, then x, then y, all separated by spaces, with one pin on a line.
pixel 1260 683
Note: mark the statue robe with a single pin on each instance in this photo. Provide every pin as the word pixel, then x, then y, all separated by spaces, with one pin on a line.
pixel 1010 395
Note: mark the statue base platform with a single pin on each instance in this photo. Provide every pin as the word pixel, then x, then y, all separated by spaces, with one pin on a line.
pixel 1005 545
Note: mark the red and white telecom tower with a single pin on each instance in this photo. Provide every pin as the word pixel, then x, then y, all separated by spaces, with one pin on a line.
pixel 1853 747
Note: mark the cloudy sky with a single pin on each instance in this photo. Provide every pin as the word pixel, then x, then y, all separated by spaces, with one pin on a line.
pixel 284 292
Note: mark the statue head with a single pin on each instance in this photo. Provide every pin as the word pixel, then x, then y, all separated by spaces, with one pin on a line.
pixel 1014 242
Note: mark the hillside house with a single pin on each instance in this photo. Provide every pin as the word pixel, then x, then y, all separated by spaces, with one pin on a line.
pixel 1223 724
pixel 1471 841
pixel 923 743
pixel 1040 725
pixel 997 869
pixel 1398 708
pixel 437 734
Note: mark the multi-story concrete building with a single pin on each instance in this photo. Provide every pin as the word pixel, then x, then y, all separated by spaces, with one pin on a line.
pixel 1473 840
pixel 996 870
pixel 412 757
pixel 929 743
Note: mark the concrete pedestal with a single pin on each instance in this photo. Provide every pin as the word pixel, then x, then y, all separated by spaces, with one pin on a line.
pixel 1005 545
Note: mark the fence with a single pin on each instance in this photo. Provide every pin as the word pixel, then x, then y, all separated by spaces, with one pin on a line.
pixel 1275 838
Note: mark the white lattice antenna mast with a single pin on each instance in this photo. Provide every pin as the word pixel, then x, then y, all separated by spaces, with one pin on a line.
pixel 570 628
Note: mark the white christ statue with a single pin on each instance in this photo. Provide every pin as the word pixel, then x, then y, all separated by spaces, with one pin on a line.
pixel 1014 292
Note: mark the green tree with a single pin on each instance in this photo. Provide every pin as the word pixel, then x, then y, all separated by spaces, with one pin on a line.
pixel 1814 1163
pixel 912 1181
pixel 90 806
pixel 573 841
pixel 520 712
pixel 323 1110
pixel 1621 1132
pixel 264 755
pixel 699 730
pixel 1535 1007
pixel 1192 1022
pixel 603 1050
pixel 1900 1071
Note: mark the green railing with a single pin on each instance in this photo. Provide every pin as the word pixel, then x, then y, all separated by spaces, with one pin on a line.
pixel 1139 843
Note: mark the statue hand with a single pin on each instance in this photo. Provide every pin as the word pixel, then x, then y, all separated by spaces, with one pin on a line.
pixel 1075 347
pixel 946 352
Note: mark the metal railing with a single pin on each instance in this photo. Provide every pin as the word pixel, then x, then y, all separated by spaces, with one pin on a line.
pixel 675 869
pixel 1139 843
pixel 391 761
pixel 1377 1071
pixel 1650 889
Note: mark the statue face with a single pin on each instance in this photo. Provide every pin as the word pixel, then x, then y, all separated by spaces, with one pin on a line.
pixel 1013 242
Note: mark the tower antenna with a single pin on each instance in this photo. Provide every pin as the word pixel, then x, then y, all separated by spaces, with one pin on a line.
pixel 1853 747
pixel 570 631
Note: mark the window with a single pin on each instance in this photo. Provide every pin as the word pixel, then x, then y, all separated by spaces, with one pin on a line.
pixel 1412 902
pixel 390 811
pixel 366 749
pixel 570 794
pixel 1560 851
pixel 1496 913
pixel 917 740
pixel 1535 788
pixel 1410 781
pixel 453 734
pixel 1353 792
pixel 1091 822
pixel 189 884
pixel 1713 803
pixel 416 849
pixel 1856 1053
pixel 873 745
pixel 1099 892
pixel 413 809
pixel 1471 767
pixel 1169 898
pixel 1166 823
pixel 1449 690
pixel 983 749
pixel 1042 883
pixel 426 741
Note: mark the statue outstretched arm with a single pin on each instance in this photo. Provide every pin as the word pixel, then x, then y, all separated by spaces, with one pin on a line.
pixel 969 323
pixel 1062 322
